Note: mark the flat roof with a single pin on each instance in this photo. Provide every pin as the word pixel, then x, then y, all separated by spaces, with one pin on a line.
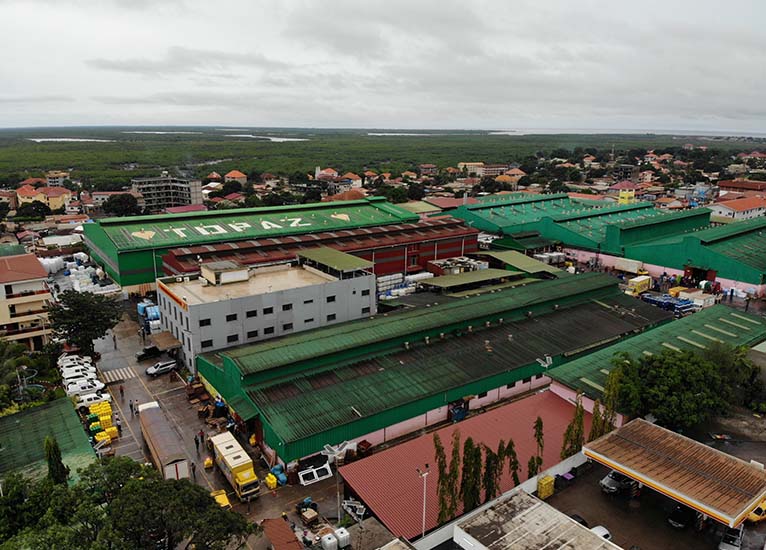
pixel 705 479
pixel 164 231
pixel 718 323
pixel 388 483
pixel 22 436
pixel 520 261
pixel 300 405
pixel 419 207
pixel 335 259
pixel 469 277
pixel 194 292
pixel 334 339
pixel 520 521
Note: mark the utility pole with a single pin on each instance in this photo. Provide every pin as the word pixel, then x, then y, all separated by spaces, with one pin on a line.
pixel 423 475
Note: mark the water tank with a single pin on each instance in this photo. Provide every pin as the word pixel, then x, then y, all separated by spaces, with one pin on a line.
pixel 329 542
pixel 344 537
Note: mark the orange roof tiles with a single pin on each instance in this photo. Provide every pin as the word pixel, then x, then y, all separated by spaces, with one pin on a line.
pixel 280 535
pixel 21 268
pixel 26 191
pixel 235 174
pixel 742 205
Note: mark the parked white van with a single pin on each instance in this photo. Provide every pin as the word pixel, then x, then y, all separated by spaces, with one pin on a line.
pixel 83 387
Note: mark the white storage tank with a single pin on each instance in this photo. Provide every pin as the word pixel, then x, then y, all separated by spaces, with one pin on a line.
pixel 343 536
pixel 329 542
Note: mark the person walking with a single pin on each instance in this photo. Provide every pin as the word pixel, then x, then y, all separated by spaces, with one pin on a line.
pixel 194 471
pixel 130 405
pixel 114 340
pixel 122 393
pixel 135 407
pixel 118 423
pixel 201 435
pixel 196 443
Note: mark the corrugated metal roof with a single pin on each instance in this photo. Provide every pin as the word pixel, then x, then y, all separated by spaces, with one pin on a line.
pixel 521 261
pixel 311 344
pixel 717 323
pixel 22 436
pixel 340 261
pixel 469 277
pixel 389 485
pixel 147 232
pixel 715 483
pixel 318 400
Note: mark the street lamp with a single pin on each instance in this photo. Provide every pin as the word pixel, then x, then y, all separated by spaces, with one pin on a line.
pixel 423 475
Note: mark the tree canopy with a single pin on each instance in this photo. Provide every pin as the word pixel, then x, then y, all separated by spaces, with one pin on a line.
pixel 123 204
pixel 82 317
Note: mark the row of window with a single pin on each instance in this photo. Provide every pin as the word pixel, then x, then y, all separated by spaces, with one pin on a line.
pixel 286 307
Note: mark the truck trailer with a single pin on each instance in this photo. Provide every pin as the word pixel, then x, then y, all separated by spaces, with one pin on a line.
pixel 236 465
pixel 168 456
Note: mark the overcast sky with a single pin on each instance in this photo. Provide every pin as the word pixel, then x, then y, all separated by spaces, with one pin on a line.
pixel 390 64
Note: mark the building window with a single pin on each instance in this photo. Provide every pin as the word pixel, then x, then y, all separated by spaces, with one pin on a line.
pixel 232 338
pixel 287 326
pixel 365 310
pixel 330 299
pixel 287 307
pixel 268 310
pixel 231 317
pixel 482 395
pixel 331 317
pixel 310 320
pixel 308 301
pixel 207 344
pixel 268 330
pixel 252 334
pixel 366 292
pixel 252 313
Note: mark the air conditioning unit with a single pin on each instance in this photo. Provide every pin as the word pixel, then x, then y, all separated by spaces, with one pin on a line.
pixel 186 279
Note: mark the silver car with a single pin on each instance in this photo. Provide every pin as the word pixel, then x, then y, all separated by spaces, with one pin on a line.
pixel 615 482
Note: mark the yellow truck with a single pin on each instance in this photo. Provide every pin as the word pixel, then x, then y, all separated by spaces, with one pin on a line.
pixel 236 466
pixel 639 285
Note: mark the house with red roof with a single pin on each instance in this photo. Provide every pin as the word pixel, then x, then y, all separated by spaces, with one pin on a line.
pixel 238 198
pixel 213 176
pixel 25 301
pixel 428 169
pixel 8 196
pixel 235 175
pixel 34 181
pixel 739 209
pixel 54 198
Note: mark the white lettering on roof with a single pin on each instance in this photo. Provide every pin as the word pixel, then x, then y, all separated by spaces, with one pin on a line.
pixel 270 225
pixel 239 227
pixel 296 222
pixel 180 231
pixel 211 230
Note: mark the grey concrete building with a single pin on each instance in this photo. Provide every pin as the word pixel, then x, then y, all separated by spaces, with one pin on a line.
pixel 229 304
pixel 167 191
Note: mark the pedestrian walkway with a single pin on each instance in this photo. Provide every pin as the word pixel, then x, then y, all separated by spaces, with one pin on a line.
pixel 117 375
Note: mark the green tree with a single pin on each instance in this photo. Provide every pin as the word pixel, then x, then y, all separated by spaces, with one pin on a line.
pixel 416 191
pixel 58 472
pixel 741 381
pixel 123 204
pixel 611 401
pixel 513 462
pixel 597 422
pixel 574 436
pixel 493 470
pixel 680 388
pixel 441 480
pixel 539 438
pixel 82 317
pixel 452 485
pixel 470 481
pixel 34 209
pixel 312 195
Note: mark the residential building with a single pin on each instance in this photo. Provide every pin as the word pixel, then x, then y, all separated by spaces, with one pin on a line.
pixel 740 209
pixel 428 169
pixel 325 173
pixel 34 181
pixel 493 170
pixel 234 175
pixel 476 168
pixel 228 304
pixel 213 176
pixel 100 197
pixel 625 172
pixel 54 198
pixel 25 299
pixel 515 174
pixel 56 178
pixel 742 185
pixel 8 196
pixel 167 191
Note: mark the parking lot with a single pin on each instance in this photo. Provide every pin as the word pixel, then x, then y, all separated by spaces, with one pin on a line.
pixel 640 522
pixel 118 367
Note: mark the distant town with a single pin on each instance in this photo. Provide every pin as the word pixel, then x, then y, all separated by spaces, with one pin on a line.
pixel 563 351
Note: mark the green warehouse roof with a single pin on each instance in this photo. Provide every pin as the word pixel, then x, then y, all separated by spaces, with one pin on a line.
pixel 520 261
pixel 318 400
pixel 715 324
pixel 22 435
pixel 309 345
pixel 335 259
pixel 162 231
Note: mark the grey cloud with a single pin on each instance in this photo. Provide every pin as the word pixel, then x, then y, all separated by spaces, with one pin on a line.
pixel 180 60
pixel 35 99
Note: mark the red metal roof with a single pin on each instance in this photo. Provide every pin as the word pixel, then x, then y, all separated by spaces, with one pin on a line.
pixel 744 185
pixel 280 535
pixel 186 208
pixel 390 486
